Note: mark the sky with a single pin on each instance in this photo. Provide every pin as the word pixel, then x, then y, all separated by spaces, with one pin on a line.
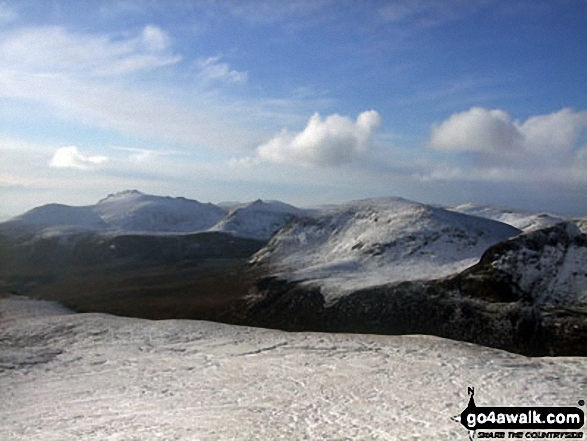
pixel 307 102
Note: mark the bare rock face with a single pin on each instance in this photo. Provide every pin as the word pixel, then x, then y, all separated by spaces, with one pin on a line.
pixel 527 294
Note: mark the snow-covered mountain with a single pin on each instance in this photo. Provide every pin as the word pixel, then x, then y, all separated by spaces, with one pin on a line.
pixel 547 266
pixel 258 219
pixel 523 220
pixel 376 241
pixel 96 376
pixel 527 294
pixel 58 215
pixel 54 220
pixel 128 211
pixel 133 211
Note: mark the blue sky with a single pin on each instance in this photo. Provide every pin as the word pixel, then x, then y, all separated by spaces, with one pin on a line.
pixel 308 102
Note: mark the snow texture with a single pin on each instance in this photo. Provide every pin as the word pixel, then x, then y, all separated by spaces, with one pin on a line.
pixel 132 211
pixel 376 241
pixel 61 216
pixel 523 220
pixel 550 264
pixel 258 220
pixel 95 376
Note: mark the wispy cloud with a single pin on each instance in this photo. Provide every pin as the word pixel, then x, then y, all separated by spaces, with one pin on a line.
pixel 212 69
pixel 427 12
pixel 83 77
pixel 54 49
pixel 70 157
pixel 7 14
pixel 270 11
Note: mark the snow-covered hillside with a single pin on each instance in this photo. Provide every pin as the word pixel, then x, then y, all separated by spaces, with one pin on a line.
pixel 376 241
pixel 94 376
pixel 58 215
pixel 125 212
pixel 258 219
pixel 548 265
pixel 523 220
pixel 133 211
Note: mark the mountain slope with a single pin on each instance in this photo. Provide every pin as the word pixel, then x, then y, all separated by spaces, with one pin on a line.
pixel 527 294
pixel 258 219
pixel 524 220
pixel 125 212
pixel 549 266
pixel 54 219
pixel 132 211
pixel 376 241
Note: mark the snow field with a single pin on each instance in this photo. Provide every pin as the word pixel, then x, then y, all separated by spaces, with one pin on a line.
pixel 94 376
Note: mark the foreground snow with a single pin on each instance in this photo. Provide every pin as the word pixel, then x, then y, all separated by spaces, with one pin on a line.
pixel 93 376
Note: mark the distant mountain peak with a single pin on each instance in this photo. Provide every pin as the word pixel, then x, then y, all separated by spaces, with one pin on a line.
pixel 122 194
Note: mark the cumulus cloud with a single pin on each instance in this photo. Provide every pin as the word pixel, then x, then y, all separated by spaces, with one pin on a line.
pixel 493 133
pixel 332 141
pixel 211 69
pixel 556 131
pixel 477 129
pixel 70 157
pixel 549 148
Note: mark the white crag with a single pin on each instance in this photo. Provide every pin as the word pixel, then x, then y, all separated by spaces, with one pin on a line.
pixel 376 241
pixel 259 219
pixel 132 211
pixel 523 220
pixel 95 376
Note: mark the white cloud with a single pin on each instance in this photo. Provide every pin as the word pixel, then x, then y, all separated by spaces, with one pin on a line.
pixel 70 157
pixel 211 69
pixel 556 131
pixel 334 141
pixel 542 149
pixel 477 129
pixel 53 49
pixel 493 133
